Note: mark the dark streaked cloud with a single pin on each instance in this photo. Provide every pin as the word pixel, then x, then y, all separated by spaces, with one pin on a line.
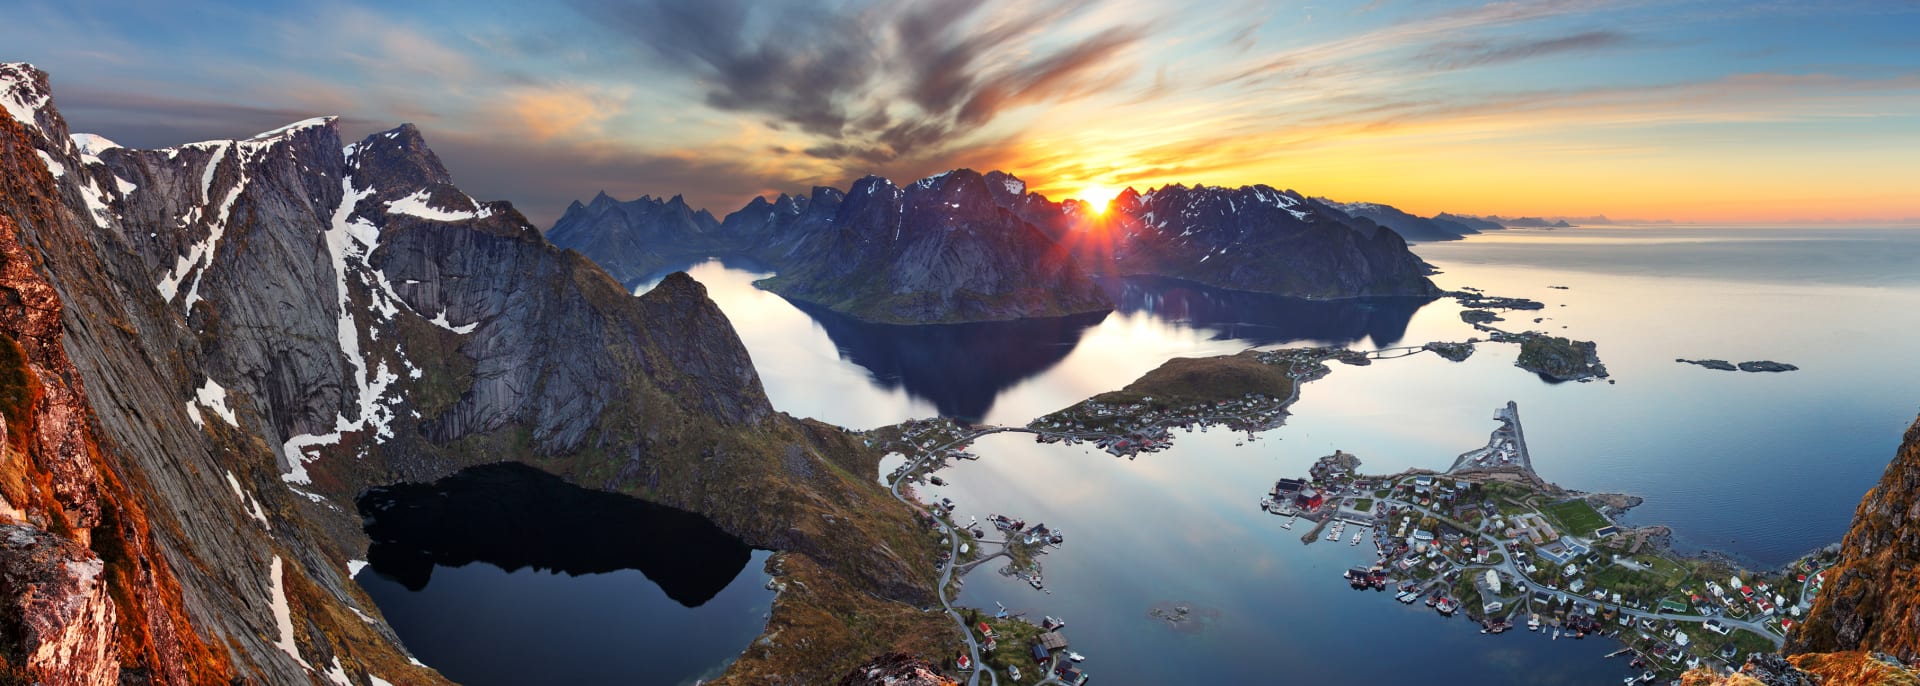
pixel 873 84
pixel 1479 53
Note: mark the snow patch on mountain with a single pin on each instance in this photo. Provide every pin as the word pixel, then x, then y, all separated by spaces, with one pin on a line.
pixel 291 128
pixel 20 96
pixel 92 143
pixel 214 398
pixel 416 205
pixel 248 503
pixel 283 616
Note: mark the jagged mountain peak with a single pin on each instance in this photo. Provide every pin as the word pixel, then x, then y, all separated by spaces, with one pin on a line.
pixel 24 93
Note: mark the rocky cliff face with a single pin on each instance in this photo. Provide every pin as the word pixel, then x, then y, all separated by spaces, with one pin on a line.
pixel 1865 625
pixel 215 347
pixel 1872 599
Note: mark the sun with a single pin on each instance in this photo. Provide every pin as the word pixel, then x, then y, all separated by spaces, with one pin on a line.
pixel 1098 198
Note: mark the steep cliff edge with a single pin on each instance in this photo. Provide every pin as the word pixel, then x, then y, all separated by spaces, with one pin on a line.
pixel 226 341
pixel 1865 625
pixel 1872 598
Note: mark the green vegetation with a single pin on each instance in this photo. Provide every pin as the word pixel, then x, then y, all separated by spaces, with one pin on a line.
pixel 1185 381
pixel 16 384
pixel 1749 643
pixel 1575 517
pixel 1363 505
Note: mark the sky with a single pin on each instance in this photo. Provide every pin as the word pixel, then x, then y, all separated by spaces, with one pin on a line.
pixel 1711 112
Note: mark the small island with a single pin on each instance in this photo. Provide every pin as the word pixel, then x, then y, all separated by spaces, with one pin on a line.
pixel 1753 366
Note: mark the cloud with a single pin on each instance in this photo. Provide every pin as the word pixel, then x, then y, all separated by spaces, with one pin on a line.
pixel 1478 53
pixel 546 112
pixel 875 84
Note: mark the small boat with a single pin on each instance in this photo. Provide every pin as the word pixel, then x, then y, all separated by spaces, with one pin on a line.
pixel 1035 581
pixel 1076 657
pixel 1356 539
pixel 1556 633
pixel 1533 623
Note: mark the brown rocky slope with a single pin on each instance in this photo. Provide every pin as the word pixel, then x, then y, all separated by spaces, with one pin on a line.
pixel 213 348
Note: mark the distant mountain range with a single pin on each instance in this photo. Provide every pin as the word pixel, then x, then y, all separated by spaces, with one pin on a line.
pixel 963 246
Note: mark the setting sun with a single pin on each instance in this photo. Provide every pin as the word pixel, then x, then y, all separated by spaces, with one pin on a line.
pixel 1098 198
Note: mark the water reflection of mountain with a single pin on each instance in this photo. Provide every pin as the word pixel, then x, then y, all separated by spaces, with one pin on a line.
pixel 962 368
pixel 514 516
pixel 1261 319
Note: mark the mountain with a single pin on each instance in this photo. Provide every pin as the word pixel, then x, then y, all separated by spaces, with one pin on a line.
pixel 632 233
pixel 207 352
pixel 1468 221
pixel 964 246
pixel 1411 227
pixel 1529 222
pixel 937 251
pixel 1251 238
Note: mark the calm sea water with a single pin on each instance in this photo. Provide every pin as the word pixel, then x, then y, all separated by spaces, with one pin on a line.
pixel 1764 467
pixel 1760 466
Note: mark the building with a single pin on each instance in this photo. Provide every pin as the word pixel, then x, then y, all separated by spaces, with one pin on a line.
pixel 1286 486
pixel 1053 641
pixel 1308 499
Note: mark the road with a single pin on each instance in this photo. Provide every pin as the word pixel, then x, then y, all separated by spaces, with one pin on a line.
pixel 946 570
pixel 1507 565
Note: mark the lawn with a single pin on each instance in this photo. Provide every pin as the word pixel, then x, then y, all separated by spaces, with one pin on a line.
pixel 1363 505
pixel 1576 517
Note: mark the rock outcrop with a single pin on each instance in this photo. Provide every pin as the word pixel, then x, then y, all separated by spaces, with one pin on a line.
pixel 55 614
pixel 216 347
pixel 1871 600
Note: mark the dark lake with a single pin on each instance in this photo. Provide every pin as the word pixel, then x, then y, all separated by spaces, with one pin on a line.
pixel 503 574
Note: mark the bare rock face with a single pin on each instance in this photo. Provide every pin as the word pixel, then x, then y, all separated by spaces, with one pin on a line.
pixel 1871 600
pixel 57 620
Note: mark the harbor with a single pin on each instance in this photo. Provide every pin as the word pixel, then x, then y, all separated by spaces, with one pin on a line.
pixel 1491 540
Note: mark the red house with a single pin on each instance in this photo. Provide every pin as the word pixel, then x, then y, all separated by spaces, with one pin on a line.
pixel 1308 499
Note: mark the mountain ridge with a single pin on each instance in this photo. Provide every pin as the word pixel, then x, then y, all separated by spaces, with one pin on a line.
pixel 259 329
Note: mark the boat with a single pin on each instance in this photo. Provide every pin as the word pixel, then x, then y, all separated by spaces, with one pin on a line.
pixel 1356 539
pixel 1050 623
pixel 1076 657
pixel 1433 600
pixel 1446 606
pixel 1556 633
pixel 1289 524
pixel 1035 581
pixel 1405 597
pixel 1533 622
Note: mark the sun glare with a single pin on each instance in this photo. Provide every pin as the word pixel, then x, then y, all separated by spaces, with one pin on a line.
pixel 1098 198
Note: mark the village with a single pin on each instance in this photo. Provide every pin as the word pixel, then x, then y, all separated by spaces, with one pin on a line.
pixel 1490 540
pixel 1487 538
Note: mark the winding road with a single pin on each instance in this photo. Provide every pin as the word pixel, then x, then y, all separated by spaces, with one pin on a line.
pixel 946 570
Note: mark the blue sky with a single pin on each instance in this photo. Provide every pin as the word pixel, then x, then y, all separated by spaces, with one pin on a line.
pixel 1702 111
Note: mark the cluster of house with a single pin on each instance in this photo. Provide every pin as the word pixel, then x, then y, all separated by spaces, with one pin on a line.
pixel 1141 427
pixel 1306 364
